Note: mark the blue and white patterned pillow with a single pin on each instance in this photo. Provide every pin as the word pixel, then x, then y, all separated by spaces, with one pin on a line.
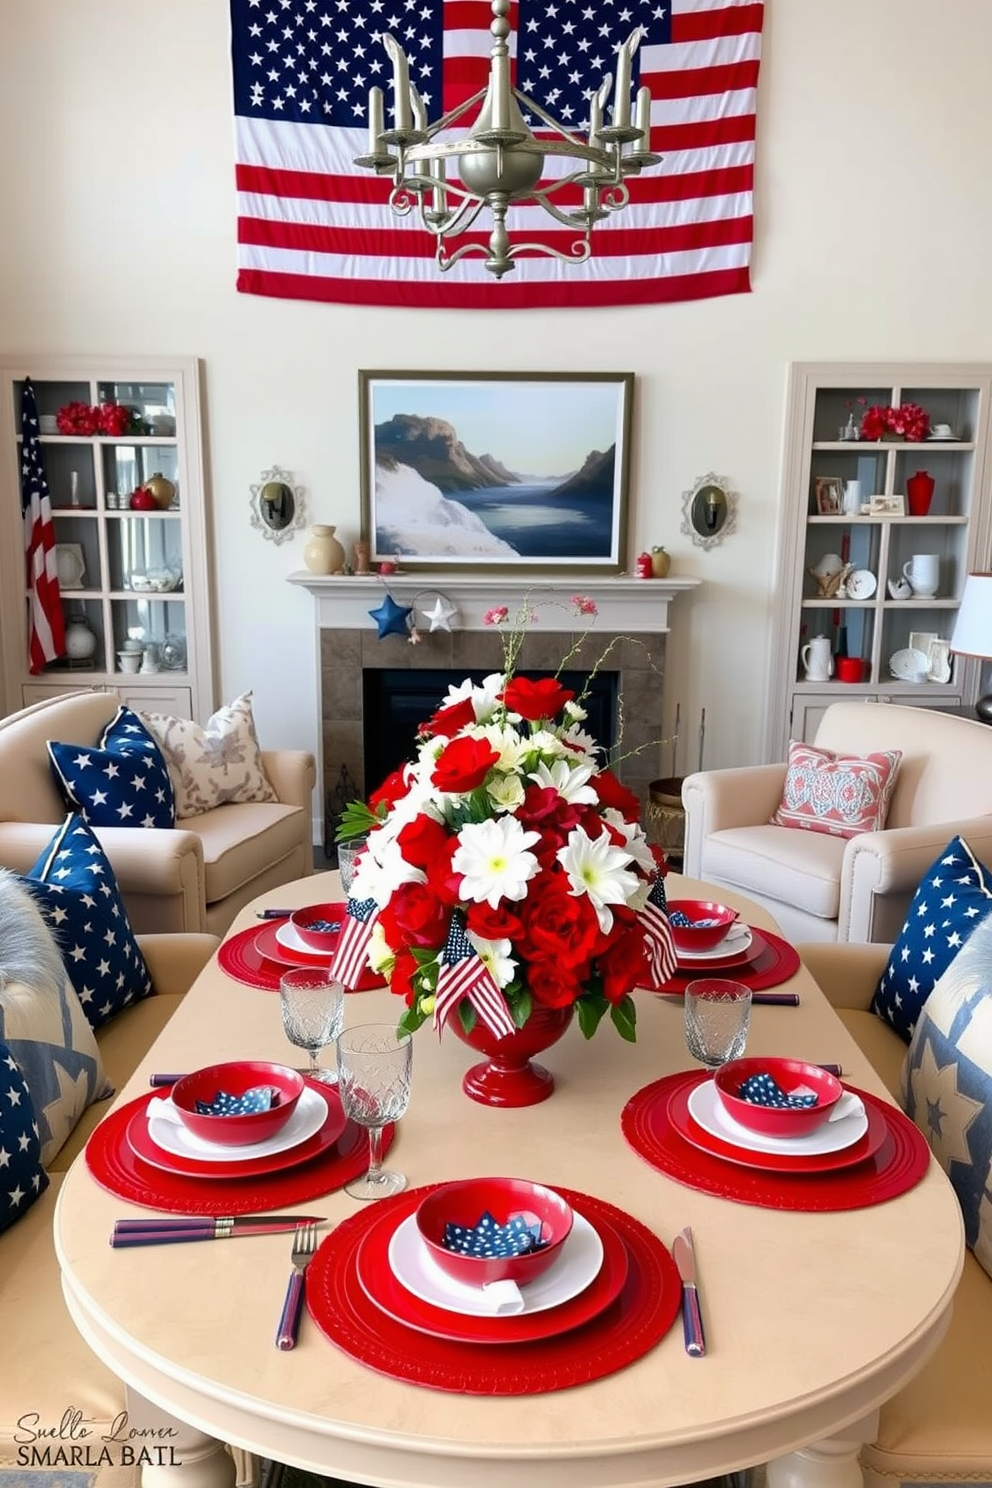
pixel 41 1021
pixel 74 886
pixel 954 897
pixel 22 1177
pixel 123 781
pixel 947 1084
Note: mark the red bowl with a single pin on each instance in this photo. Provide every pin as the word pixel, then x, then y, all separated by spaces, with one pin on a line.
pixel 695 936
pixel 789 1075
pixel 465 1203
pixel 308 925
pixel 235 1078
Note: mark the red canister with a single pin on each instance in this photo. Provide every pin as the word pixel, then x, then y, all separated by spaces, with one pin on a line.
pixel 645 569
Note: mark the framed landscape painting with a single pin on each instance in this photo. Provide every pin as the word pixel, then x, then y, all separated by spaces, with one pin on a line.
pixel 496 470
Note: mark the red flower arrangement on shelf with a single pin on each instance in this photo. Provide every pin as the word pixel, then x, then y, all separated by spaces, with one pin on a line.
pixel 506 869
pixel 84 419
pixel 907 421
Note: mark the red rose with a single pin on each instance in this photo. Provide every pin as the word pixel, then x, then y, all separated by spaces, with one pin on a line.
pixel 492 924
pixel 414 916
pixel 463 764
pixel 405 968
pixel 392 789
pixel 624 966
pixel 611 793
pixel 544 698
pixel 551 984
pixel 422 841
pixel 559 924
pixel 447 722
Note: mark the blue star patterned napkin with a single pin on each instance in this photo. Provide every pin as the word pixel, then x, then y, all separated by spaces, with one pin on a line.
pixel 258 1098
pixel 681 921
pixel 762 1090
pixel 487 1238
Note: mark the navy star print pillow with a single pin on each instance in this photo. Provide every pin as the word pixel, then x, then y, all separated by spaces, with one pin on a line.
pixel 74 886
pixel 954 896
pixel 22 1178
pixel 121 782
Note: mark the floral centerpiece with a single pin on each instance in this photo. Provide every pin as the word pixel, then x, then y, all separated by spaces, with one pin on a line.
pixel 506 869
pixel 906 421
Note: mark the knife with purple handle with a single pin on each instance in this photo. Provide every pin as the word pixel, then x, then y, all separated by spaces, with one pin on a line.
pixel 692 1318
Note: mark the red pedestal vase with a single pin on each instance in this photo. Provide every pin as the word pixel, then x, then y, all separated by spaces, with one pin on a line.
pixel 919 493
pixel 507 1077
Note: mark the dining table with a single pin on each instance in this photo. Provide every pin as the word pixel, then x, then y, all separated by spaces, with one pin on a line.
pixel 815 1309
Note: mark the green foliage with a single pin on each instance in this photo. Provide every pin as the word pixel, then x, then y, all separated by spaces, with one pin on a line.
pixel 357 818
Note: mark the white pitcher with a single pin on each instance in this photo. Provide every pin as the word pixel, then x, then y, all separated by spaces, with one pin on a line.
pixel 923 573
pixel 818 660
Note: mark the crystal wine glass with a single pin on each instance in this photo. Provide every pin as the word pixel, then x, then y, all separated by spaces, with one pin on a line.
pixel 312 1004
pixel 717 1015
pixel 375 1062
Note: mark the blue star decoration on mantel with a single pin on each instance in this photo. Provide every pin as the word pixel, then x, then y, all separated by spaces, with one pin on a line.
pixel 391 618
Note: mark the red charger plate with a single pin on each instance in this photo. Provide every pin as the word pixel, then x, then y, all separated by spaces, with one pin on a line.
pixel 271 947
pixel 676 1110
pixel 648 1304
pixel 390 1295
pixel 770 960
pixel 143 1145
pixel 240 958
pixel 898 1164
pixel 117 1168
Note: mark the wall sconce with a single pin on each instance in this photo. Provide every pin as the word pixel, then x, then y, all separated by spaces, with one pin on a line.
pixel 709 511
pixel 277 506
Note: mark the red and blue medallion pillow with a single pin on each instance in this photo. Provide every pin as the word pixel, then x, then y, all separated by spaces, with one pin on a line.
pixel 122 781
pixel 839 794
pixel 953 898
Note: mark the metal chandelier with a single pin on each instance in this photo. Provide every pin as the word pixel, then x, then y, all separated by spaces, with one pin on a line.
pixel 500 162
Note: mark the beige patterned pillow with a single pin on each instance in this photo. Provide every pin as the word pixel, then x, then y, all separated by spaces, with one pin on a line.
pixel 214 764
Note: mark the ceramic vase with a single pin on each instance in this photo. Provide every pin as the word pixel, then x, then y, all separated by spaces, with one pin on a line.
pixel 661 562
pixel 322 553
pixel 80 641
pixel 919 493
pixel 507 1077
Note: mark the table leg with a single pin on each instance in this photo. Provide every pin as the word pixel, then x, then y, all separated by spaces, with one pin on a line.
pixel 831 1463
pixel 170 1452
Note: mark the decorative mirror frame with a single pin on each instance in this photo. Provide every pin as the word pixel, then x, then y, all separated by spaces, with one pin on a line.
pixel 277 476
pixel 709 510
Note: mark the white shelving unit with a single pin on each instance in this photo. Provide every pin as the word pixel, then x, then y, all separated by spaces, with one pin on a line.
pixel 821 398
pixel 142 576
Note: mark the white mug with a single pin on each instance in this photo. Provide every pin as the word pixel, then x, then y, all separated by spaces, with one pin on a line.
pixel 852 498
pixel 923 573
pixel 818 659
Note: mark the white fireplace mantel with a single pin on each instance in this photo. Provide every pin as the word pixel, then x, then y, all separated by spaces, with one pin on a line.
pixel 624 604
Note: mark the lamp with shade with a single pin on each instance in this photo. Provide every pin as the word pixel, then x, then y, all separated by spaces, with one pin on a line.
pixel 973 630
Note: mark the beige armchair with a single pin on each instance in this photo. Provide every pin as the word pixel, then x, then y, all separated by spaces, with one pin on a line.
pixel 193 877
pixel 827 888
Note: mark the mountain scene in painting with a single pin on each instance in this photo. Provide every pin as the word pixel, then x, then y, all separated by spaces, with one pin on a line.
pixel 435 498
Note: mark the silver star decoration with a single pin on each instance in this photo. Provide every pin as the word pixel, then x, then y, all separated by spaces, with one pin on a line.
pixel 441 614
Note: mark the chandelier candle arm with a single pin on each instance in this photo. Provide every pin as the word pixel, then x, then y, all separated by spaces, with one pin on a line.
pixel 501 162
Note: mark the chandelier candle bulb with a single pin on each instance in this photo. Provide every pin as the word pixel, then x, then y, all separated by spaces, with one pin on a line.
pixel 402 111
pixel 376 120
pixel 642 119
pixel 621 100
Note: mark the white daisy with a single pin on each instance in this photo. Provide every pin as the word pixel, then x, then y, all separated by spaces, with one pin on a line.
pixel 494 859
pixel 496 955
pixel 570 781
pixel 597 868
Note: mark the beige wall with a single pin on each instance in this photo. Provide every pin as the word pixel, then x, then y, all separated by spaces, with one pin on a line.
pixel 874 218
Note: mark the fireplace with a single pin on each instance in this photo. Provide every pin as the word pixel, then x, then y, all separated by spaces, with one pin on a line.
pixel 632 621
pixel 396 701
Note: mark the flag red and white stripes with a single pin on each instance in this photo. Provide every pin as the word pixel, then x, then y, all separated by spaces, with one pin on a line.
pixel 351 956
pixel 312 225
pixel 463 973
pixel 46 625
pixel 658 934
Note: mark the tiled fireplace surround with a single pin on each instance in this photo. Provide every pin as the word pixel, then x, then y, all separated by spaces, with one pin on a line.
pixel 636 612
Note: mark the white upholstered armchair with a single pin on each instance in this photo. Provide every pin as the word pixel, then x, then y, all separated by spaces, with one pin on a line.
pixel 821 887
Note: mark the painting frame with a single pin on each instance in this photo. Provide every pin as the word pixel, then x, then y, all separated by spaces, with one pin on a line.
pixel 829 494
pixel 536 432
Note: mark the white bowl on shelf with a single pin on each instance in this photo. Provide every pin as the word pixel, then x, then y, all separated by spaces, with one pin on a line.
pixel 909 665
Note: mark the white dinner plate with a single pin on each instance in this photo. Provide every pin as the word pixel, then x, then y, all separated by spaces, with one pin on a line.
pixel 706 1109
pixel 306 1120
pixel 577 1266
pixel 736 942
pixel 291 940
pixel 861 584
pixel 942 439
pixel 909 665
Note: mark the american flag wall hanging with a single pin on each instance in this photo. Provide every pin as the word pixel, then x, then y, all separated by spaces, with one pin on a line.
pixel 314 226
